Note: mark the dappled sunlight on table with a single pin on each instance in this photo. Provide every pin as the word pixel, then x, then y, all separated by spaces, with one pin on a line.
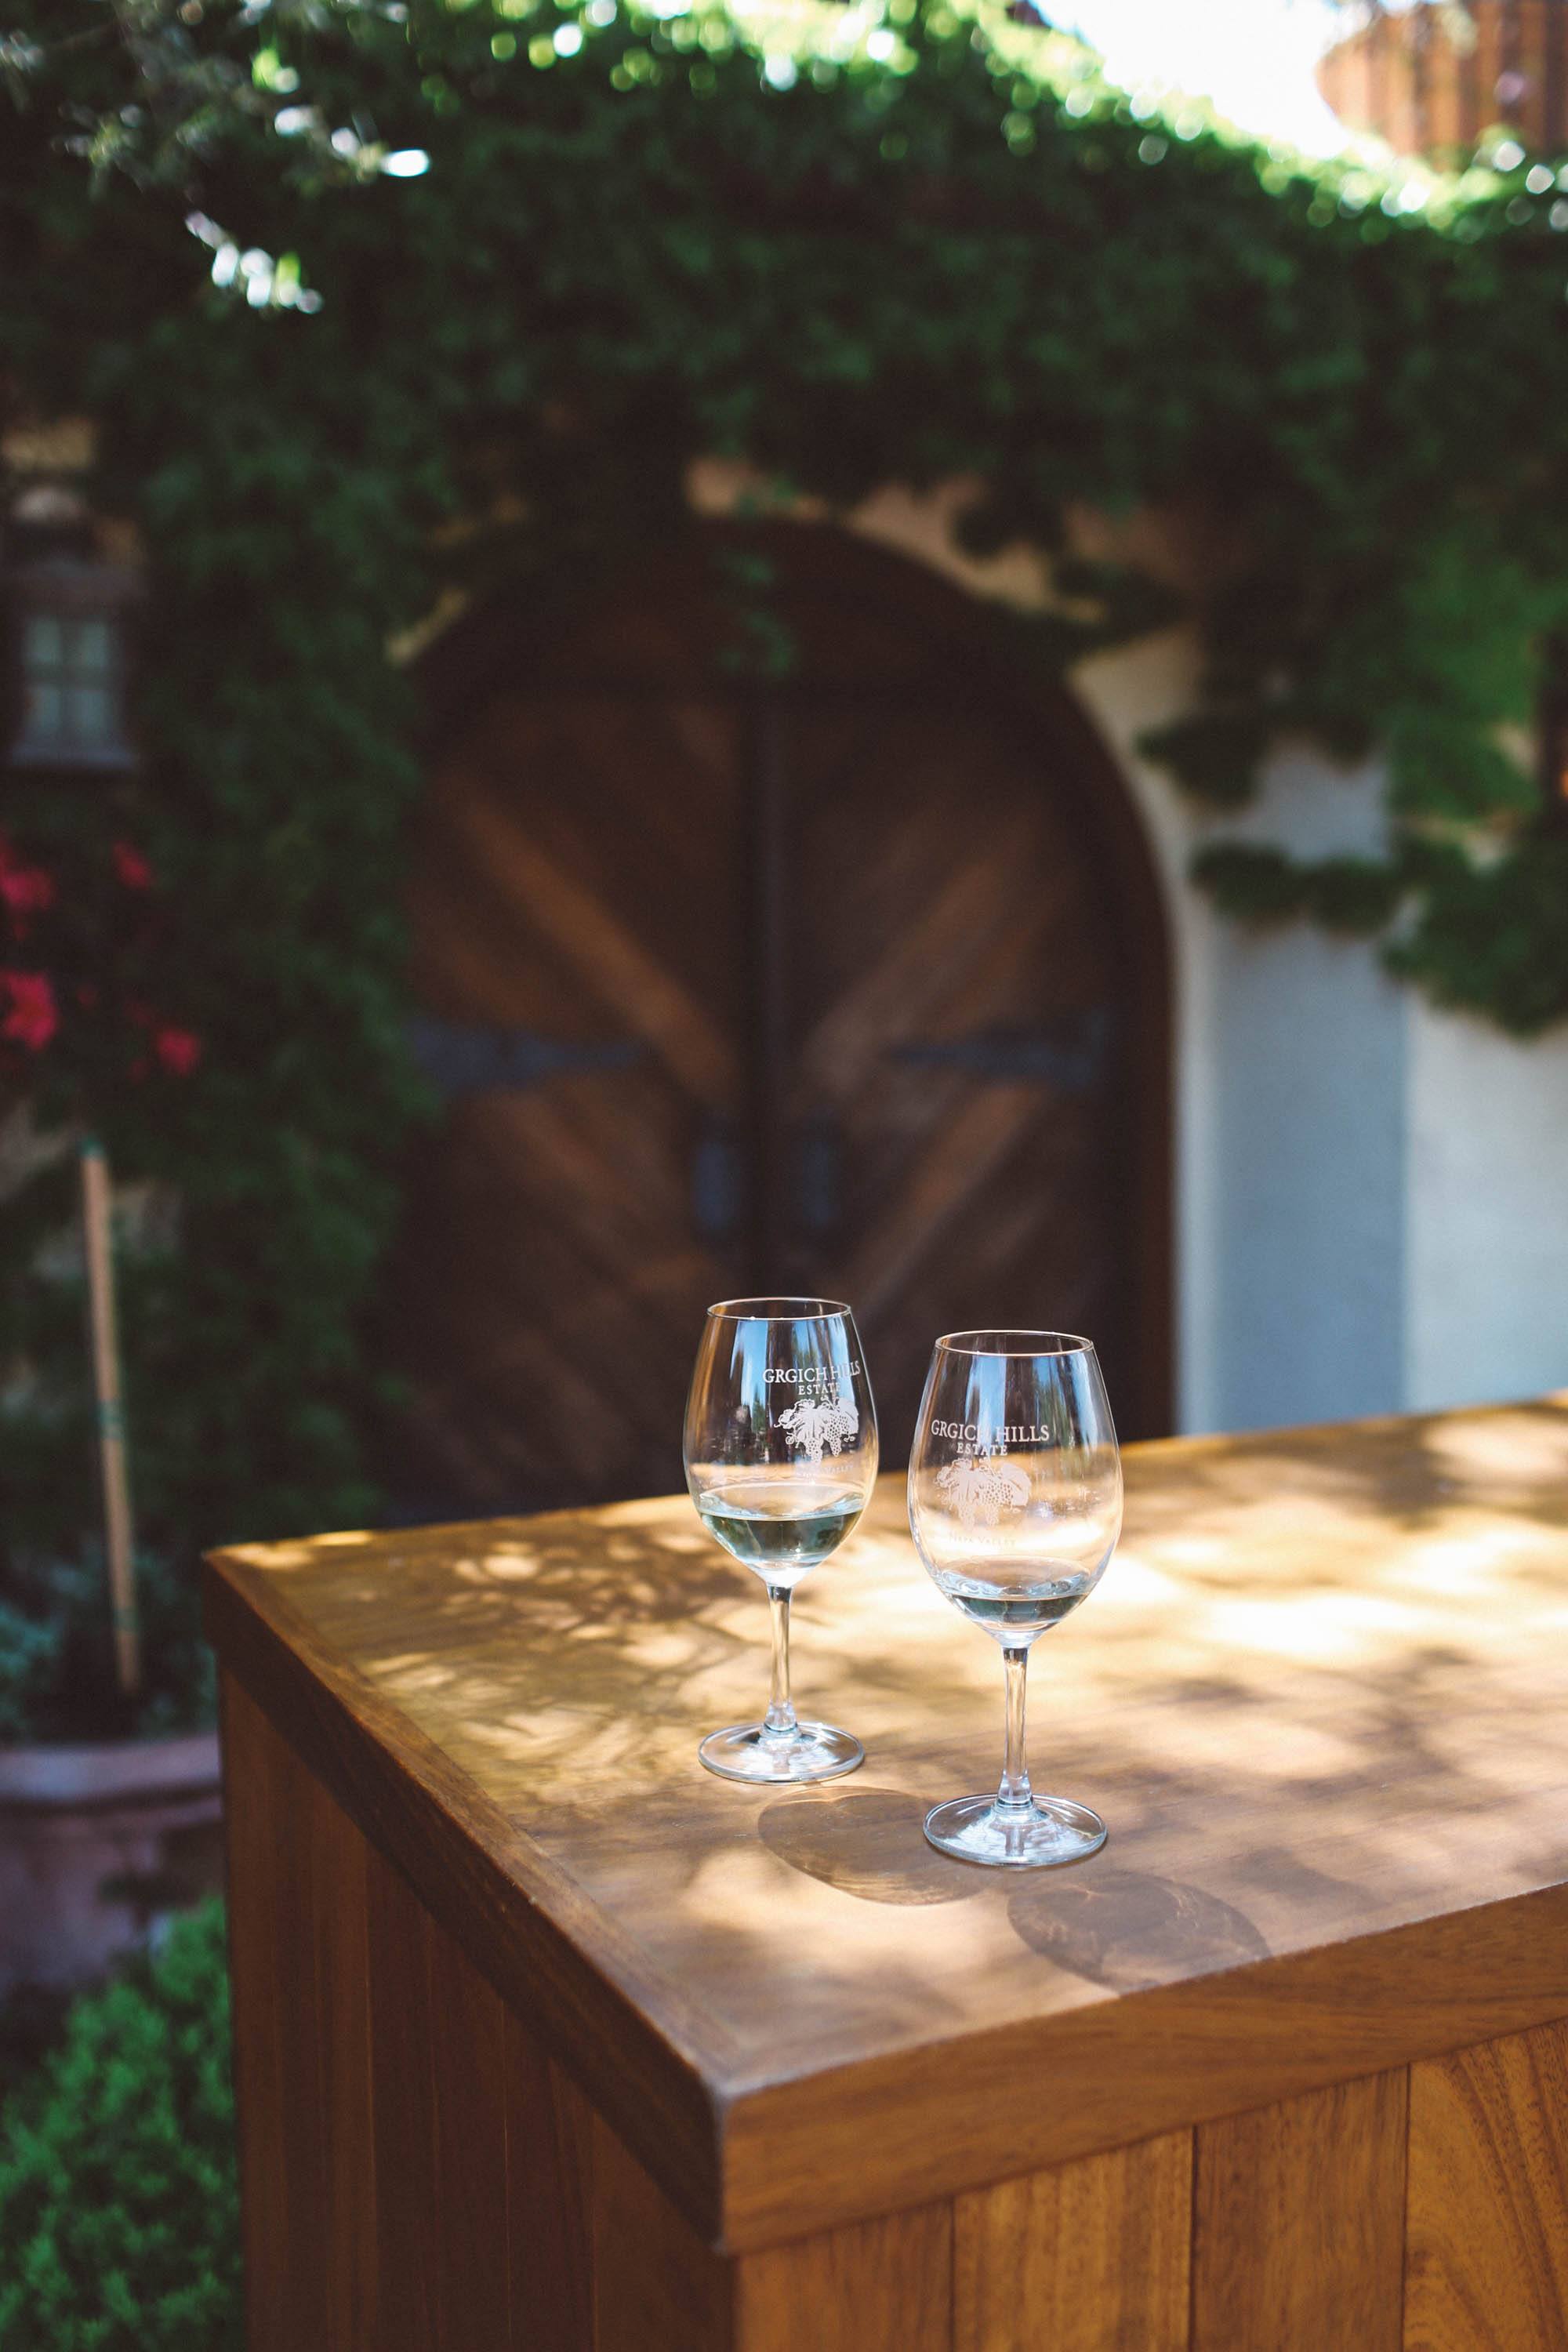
pixel 1297 1699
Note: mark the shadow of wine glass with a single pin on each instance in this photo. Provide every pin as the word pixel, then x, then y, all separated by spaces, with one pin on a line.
pixel 1128 1931
pixel 869 1844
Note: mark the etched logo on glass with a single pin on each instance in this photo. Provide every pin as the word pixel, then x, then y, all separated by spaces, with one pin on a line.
pixel 820 1425
pixel 982 1490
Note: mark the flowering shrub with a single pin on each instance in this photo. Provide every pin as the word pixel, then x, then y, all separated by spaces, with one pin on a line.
pixel 73 963
pixel 87 983
pixel 201 965
pixel 32 1016
pixel 26 890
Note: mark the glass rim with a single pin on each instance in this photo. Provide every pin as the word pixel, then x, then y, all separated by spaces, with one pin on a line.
pixel 1066 1343
pixel 810 1309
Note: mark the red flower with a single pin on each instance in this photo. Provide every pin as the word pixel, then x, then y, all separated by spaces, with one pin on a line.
pixel 33 1017
pixel 25 889
pixel 179 1050
pixel 132 867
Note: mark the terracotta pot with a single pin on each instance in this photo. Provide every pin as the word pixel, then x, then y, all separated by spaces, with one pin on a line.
pixel 96 1845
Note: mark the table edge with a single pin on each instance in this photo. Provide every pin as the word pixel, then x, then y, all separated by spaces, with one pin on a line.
pixel 818 2150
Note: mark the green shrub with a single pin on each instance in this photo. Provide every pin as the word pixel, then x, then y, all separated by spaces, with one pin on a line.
pixel 119 2203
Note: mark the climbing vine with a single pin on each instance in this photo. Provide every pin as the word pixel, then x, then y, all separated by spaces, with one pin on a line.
pixel 905 240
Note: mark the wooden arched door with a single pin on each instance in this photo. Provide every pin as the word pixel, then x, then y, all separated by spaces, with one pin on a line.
pixel 851 982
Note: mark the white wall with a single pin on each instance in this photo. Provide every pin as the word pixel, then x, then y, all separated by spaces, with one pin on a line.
pixel 1487 1203
pixel 1290 1098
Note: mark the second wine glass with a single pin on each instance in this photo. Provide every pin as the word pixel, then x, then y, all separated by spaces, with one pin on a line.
pixel 781 1457
pixel 1015 1507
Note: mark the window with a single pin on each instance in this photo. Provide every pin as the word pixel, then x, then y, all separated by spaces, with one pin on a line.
pixel 70 660
pixel 68 683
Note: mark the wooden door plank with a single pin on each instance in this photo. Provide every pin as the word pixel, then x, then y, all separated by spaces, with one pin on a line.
pixel 954 1165
pixel 656 771
pixel 1087 2257
pixel 878 2286
pixel 907 985
pixel 610 963
pixel 1299 2223
pixel 984 919
pixel 574 877
pixel 1487 2260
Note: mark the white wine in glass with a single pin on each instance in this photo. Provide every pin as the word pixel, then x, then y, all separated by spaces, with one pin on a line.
pixel 1014 1506
pixel 781 1457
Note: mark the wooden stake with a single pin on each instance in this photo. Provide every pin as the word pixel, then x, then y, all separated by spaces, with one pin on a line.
pixel 112 1454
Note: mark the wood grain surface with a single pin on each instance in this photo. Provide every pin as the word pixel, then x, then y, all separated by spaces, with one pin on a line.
pixel 439 2069
pixel 1488 2247
pixel 550 2200
pixel 878 2287
pixel 418 2175
pixel 1299 2223
pixel 1298 1699
pixel 298 1943
pixel 658 2287
pixel 550 1240
pixel 1091 2257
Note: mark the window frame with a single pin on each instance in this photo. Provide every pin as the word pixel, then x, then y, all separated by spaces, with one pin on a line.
pixel 70 591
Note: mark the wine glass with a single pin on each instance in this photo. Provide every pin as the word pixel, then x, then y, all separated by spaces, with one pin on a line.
pixel 1015 1507
pixel 781 1457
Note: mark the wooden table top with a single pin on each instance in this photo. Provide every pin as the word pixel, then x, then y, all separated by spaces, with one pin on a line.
pixel 1319 1699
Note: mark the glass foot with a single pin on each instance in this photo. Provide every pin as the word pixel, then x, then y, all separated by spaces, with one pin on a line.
pixel 750 1751
pixel 1019 1837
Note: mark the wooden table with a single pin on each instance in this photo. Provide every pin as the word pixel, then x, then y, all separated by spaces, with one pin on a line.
pixel 547 2039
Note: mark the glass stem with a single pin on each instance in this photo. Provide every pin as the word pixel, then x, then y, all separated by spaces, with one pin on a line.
pixel 1014 1789
pixel 781 1714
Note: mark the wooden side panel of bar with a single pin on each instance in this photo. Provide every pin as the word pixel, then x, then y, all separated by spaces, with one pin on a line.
pixel 1089 2257
pixel 550 2201
pixel 418 2175
pixel 439 2045
pixel 298 1946
pixel 1299 2223
pixel 876 2286
pixel 1487 2267
pixel 657 2286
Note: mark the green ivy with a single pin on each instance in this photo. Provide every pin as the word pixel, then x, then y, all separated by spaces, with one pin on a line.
pixel 945 249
